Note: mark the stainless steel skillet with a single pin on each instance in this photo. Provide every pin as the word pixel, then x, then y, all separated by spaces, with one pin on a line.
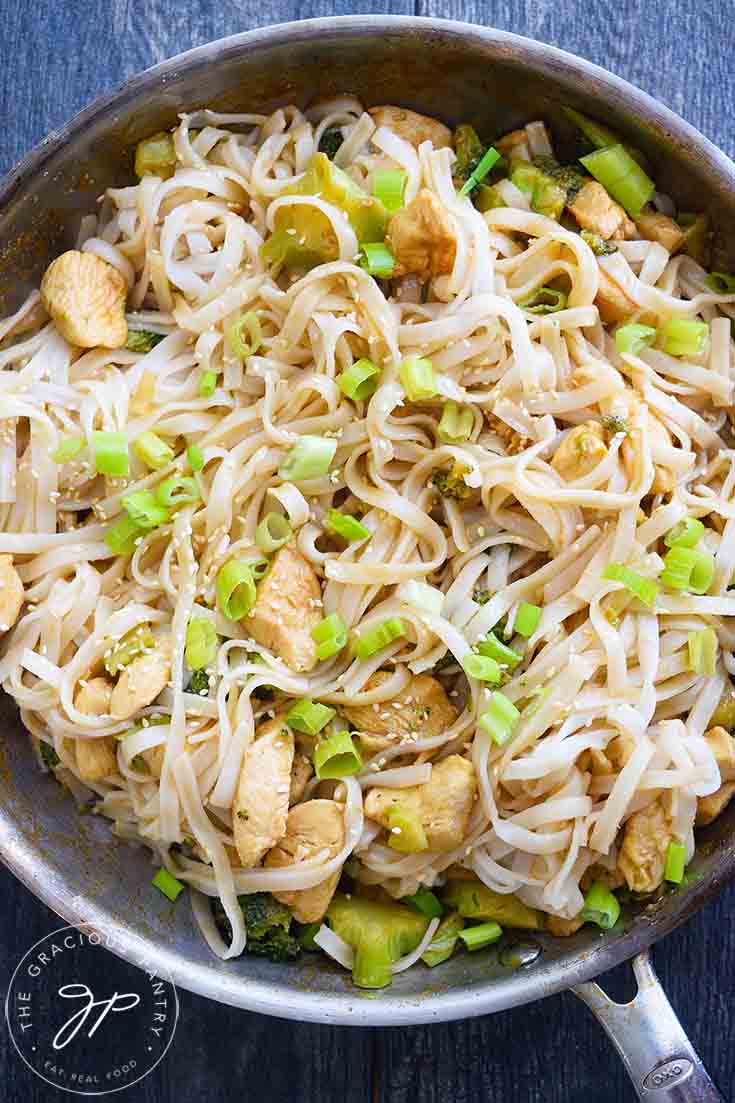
pixel 458 72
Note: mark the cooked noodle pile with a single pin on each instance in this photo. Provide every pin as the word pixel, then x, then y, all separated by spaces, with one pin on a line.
pixel 574 456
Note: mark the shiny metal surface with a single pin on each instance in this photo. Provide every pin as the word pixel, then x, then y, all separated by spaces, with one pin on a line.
pixel 657 1054
pixel 453 70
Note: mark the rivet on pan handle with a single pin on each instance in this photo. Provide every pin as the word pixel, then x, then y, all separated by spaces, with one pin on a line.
pixel 657 1054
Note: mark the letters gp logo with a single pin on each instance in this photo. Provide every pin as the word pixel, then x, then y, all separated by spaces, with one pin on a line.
pixel 84 1020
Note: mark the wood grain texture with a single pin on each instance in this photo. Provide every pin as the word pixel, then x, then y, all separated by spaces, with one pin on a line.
pixel 56 58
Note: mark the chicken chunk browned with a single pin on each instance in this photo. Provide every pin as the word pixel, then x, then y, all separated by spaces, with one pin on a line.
pixel 659 227
pixel 709 808
pixel 422 706
pixel 312 827
pixel 85 296
pixel 646 839
pixel 443 803
pixel 580 451
pixel 411 126
pixel 422 238
pixel 722 745
pixel 301 774
pixel 563 928
pixel 611 301
pixel 288 606
pixel 96 758
pixel 594 210
pixel 261 801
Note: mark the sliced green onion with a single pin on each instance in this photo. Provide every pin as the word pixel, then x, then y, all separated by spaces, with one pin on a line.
pixel 500 719
pixel 482 667
pixel 702 646
pixel 246 326
pixel 721 283
pixel 389 186
pixel 456 423
pixel 309 458
pixel 544 300
pixel 346 526
pixel 486 162
pixel 273 532
pixel 309 716
pixel 360 380
pixel 645 589
pixel 444 942
pixel 153 451
pixel 421 596
pixel 683 337
pixel 207 384
pixel 688 569
pixel 134 643
pixel 425 902
pixel 600 906
pixel 143 508
pixel 68 449
pixel 406 831
pixel 686 534
pixel 336 757
pixel 122 537
pixel 179 490
pixel 201 643
pixel 527 618
pixel 633 338
pixel 166 883
pixel 236 593
pixel 621 176
pixel 375 639
pixel 330 636
pixel 110 451
pixel 306 936
pixel 481 935
pixel 499 651
pixel 417 377
pixel 195 456
pixel 676 860
pixel 377 259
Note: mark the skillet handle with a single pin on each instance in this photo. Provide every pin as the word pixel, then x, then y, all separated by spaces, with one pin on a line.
pixel 657 1054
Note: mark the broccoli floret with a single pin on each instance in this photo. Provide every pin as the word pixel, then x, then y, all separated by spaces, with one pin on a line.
pixel 199 683
pixel 330 142
pixel 142 340
pixel 49 755
pixel 567 177
pixel 613 423
pixel 481 596
pixel 597 244
pixel 268 926
pixel 449 481
pixel 468 149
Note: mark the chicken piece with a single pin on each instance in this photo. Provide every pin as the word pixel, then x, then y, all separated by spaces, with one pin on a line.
pixel 646 839
pixel 580 451
pixel 85 296
pixel 314 826
pixel 422 706
pixel 261 802
pixel 594 210
pixel 301 774
pixel 722 745
pixel 610 878
pixel 626 231
pixel 514 144
pixel 96 758
pixel 659 227
pixel 611 301
pixel 422 238
pixel 443 803
pixel 287 608
pixel 619 750
pixel 142 680
pixel 11 593
pixel 709 808
pixel 594 762
pixel 563 928
pixel 411 126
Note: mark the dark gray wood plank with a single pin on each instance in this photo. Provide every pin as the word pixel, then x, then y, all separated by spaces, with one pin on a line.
pixel 680 53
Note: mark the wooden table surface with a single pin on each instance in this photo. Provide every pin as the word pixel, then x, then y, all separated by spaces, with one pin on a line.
pixel 56 58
